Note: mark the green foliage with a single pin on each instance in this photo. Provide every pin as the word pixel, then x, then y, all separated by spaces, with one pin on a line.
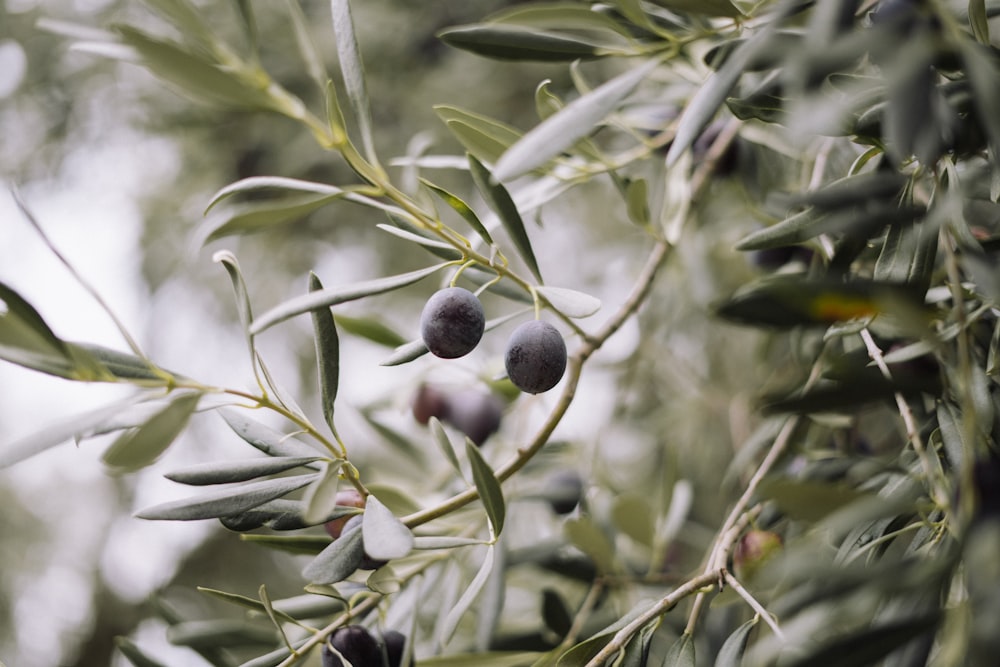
pixel 847 149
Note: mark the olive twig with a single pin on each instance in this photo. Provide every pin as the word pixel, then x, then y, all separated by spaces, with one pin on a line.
pixel 735 584
pixel 661 607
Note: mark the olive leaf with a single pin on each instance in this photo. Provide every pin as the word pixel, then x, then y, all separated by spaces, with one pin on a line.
pixel 327 353
pixel 335 295
pixel 573 122
pixel 226 502
pixel 500 201
pixel 141 446
pixel 226 472
pixel 488 487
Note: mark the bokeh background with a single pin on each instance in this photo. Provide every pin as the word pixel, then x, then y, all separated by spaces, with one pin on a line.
pixel 118 168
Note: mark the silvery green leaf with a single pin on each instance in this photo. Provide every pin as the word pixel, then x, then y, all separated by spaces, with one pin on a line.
pixel 573 122
pixel 385 536
pixel 334 295
pixel 570 303
pixel 226 502
pixel 226 472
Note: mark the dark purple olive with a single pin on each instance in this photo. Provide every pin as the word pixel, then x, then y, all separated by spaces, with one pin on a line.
pixel 536 357
pixel 452 322
pixel 564 490
pixel 429 402
pixel 395 643
pixel 357 646
pixel 476 414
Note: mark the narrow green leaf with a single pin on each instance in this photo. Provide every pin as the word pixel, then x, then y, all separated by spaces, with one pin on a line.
pixel 225 472
pixel 245 602
pixel 461 208
pixel 197 77
pixel 978 21
pixel 134 654
pixel 444 443
pixel 637 201
pixel 258 216
pixel 561 16
pixel 264 438
pixel 713 92
pixel 439 248
pixel 226 502
pixel 305 545
pixel 511 42
pixel 335 295
pixel 588 648
pixel 406 353
pixel 855 223
pixel 468 597
pixel 570 303
pixel 255 184
pixel 788 301
pixel 352 70
pixel 488 487
pixel 681 652
pixel 371 329
pixel 185 16
pixel 56 433
pixel 327 353
pixel 869 644
pixel 307 47
pixel 26 340
pixel 124 365
pixel 555 613
pixel 731 653
pixel 588 538
pixel 139 447
pixel 475 130
pixel 243 308
pixel 488 659
pixel 445 542
pixel 385 536
pixel 808 500
pixel 217 633
pixel 564 128
pixel 500 201
pixel 320 497
pixel 637 650
pixel 546 102
pixel 705 7
pixel 337 561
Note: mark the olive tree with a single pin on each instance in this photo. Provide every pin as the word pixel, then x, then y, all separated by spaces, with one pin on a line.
pixel 814 183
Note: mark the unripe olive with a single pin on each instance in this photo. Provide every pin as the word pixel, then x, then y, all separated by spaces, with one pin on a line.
pixel 429 402
pixel 345 498
pixel 357 646
pixel 753 550
pixel 395 643
pixel 536 357
pixel 452 322
pixel 476 414
pixel 563 491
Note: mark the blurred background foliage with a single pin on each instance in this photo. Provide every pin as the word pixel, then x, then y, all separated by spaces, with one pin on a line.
pixel 667 423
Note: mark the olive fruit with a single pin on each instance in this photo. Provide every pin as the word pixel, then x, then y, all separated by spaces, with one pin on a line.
pixel 346 498
pixel 429 402
pixel 395 643
pixel 357 646
pixel 536 357
pixel 753 550
pixel 452 322
pixel 476 414
pixel 564 490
